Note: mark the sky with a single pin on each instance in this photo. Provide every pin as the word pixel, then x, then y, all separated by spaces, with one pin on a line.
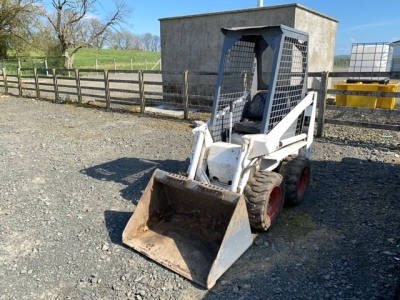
pixel 359 21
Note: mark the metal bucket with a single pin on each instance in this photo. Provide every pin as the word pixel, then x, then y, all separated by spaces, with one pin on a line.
pixel 194 229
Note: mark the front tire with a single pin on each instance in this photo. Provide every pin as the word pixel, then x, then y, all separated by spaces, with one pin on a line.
pixel 265 197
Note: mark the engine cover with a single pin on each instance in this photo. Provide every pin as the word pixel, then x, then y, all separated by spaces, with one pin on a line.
pixel 222 161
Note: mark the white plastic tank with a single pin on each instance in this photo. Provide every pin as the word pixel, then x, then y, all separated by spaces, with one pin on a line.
pixel 371 57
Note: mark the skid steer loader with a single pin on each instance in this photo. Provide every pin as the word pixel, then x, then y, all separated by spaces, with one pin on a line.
pixel 251 156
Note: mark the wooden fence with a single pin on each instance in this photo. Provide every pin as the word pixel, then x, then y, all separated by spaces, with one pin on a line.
pixel 125 87
pixel 324 90
pixel 147 87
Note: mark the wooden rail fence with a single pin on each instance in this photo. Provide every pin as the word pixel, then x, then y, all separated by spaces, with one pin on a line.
pixel 155 91
pixel 324 90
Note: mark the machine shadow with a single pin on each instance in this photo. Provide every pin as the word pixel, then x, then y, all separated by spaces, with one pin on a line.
pixel 115 224
pixel 134 173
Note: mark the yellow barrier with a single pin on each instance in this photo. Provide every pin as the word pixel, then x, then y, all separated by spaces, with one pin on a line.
pixel 367 101
pixel 353 100
pixel 388 102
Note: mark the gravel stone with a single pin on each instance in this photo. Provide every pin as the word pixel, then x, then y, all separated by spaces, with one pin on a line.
pixel 70 178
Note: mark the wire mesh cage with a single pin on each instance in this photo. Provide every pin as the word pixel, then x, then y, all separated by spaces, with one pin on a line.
pixel 290 81
pixel 279 58
pixel 236 83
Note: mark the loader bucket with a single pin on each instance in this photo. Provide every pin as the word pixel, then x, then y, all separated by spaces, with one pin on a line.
pixel 194 229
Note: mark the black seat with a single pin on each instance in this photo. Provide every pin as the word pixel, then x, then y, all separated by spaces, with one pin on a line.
pixel 252 114
pixel 254 109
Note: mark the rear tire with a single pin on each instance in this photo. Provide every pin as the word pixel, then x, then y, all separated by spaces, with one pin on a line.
pixel 296 172
pixel 265 194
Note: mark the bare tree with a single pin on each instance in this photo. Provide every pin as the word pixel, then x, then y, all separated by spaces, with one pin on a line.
pixel 125 40
pixel 94 25
pixel 18 21
pixel 146 41
pixel 155 43
pixel 86 29
pixel 69 16
pixel 150 42
pixel 137 43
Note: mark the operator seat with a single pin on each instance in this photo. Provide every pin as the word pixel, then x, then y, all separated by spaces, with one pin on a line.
pixel 252 114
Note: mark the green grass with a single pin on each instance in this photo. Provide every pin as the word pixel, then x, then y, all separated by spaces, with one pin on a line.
pixel 86 59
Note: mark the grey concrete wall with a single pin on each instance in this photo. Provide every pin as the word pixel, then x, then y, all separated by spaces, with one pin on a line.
pixel 194 43
pixel 322 40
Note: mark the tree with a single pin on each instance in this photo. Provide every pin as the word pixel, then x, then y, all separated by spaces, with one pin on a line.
pixel 45 41
pixel 94 25
pixel 146 40
pixel 125 40
pixel 150 42
pixel 155 43
pixel 128 41
pixel 18 21
pixel 70 16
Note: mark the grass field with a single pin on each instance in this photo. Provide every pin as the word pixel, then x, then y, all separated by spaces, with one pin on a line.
pixel 91 59
pixel 124 59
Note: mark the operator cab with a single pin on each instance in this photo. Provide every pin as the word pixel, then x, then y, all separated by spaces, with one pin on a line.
pixel 263 77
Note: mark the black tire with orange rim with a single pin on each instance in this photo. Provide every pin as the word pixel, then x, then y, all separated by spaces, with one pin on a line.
pixel 265 194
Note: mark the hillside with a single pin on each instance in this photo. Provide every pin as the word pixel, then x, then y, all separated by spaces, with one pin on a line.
pixel 87 58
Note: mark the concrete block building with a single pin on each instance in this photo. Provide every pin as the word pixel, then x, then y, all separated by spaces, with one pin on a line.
pixel 194 42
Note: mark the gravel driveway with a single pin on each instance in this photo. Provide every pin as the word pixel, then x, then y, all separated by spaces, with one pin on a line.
pixel 71 178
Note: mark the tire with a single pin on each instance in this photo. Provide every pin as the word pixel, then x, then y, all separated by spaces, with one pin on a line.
pixel 265 195
pixel 296 172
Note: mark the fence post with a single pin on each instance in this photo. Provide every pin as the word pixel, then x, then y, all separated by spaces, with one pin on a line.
pixel 19 74
pixel 35 74
pixel 115 64
pixel 141 92
pixel 78 86
pixel 107 89
pixel 5 81
pixel 55 83
pixel 131 63
pixel 185 95
pixel 46 66
pixel 322 103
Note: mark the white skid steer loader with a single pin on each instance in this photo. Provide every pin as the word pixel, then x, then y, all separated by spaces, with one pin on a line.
pixel 250 157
